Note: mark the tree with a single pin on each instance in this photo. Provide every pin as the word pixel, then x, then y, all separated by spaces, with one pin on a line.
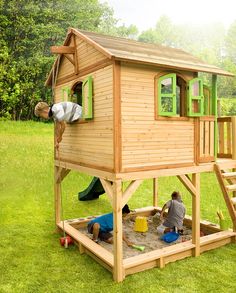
pixel 163 33
pixel 28 29
pixel 231 42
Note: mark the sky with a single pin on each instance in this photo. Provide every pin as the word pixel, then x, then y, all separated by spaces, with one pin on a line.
pixel 145 13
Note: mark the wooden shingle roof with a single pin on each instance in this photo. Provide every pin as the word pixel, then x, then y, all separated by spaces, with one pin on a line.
pixel 138 52
pixel 130 50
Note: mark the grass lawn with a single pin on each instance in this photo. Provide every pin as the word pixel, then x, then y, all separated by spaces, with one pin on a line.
pixel 31 258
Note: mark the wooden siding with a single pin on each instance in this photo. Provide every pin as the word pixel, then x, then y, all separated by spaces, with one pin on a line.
pixel 147 142
pixel 90 143
pixel 66 67
pixel 87 56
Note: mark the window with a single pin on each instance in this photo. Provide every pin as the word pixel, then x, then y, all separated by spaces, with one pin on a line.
pixel 76 93
pixel 177 98
pixel 82 94
pixel 167 95
pixel 171 95
pixel 195 98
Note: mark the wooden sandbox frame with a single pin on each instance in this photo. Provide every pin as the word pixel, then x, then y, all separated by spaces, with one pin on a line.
pixel 112 184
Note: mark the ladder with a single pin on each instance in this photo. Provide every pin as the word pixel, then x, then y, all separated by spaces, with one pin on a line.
pixel 227 181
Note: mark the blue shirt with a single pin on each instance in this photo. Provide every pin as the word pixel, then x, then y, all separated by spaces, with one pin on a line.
pixel 105 222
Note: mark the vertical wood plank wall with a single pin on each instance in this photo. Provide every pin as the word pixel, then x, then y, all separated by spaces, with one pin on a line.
pixel 87 56
pixel 147 142
pixel 91 143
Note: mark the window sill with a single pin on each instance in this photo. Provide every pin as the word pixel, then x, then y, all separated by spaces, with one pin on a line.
pixel 176 118
pixel 81 121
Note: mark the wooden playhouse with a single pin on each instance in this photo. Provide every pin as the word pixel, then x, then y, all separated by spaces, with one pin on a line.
pixel 146 114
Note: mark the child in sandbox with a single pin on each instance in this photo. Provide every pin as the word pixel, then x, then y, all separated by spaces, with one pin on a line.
pixel 61 112
pixel 175 216
pixel 101 227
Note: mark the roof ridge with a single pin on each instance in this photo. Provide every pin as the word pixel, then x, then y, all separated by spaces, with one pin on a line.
pixel 147 44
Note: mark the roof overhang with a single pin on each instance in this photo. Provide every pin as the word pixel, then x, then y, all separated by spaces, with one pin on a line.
pixel 137 52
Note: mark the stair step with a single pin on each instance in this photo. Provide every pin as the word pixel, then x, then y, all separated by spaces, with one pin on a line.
pixel 233 199
pixel 231 187
pixel 229 175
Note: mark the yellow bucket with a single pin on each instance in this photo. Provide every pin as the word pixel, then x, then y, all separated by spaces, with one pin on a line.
pixel 141 224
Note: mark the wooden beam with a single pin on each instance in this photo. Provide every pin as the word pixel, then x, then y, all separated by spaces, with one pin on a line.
pixel 214 111
pixel 196 214
pixel 168 171
pixel 76 56
pixel 117 116
pixel 196 140
pixel 118 272
pixel 84 169
pixel 156 254
pixel 57 196
pixel 107 185
pixel 130 190
pixel 228 202
pixel 88 244
pixel 233 119
pixel 70 59
pixel 155 192
pixel 187 183
pixel 61 174
pixel 62 50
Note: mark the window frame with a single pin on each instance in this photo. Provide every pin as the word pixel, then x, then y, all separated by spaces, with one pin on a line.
pixel 73 92
pixel 183 108
pixel 172 95
pixel 191 98
pixel 207 93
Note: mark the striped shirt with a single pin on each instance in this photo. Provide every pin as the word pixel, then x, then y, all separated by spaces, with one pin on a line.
pixel 66 111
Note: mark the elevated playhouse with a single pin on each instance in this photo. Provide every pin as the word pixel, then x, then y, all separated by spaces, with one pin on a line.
pixel 146 114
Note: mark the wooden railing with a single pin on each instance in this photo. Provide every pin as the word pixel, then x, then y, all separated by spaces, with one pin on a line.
pixel 226 137
pixel 205 151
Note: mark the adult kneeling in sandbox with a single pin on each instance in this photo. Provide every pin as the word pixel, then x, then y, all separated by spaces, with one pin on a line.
pixel 101 227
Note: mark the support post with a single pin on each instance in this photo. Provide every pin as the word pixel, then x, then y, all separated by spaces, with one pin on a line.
pixel 118 271
pixel 196 214
pixel 155 192
pixel 57 195
pixel 233 119
pixel 233 137
pixel 214 111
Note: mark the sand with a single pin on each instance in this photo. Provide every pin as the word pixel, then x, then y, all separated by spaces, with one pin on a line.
pixel 150 239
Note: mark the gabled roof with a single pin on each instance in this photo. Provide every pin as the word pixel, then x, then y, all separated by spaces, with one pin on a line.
pixel 125 49
pixel 138 52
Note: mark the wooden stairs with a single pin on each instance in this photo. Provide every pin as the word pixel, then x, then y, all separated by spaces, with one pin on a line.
pixel 227 181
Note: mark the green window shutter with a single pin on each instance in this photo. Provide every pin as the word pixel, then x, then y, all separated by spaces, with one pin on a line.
pixel 65 94
pixel 195 100
pixel 167 95
pixel 87 98
pixel 207 100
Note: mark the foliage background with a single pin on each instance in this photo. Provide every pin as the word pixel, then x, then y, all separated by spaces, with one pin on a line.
pixel 29 28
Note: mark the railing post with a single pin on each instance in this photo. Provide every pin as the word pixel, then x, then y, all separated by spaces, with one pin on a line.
pixel 214 110
pixel 233 119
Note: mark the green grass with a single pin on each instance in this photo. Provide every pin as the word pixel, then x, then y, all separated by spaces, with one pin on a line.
pixel 31 258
